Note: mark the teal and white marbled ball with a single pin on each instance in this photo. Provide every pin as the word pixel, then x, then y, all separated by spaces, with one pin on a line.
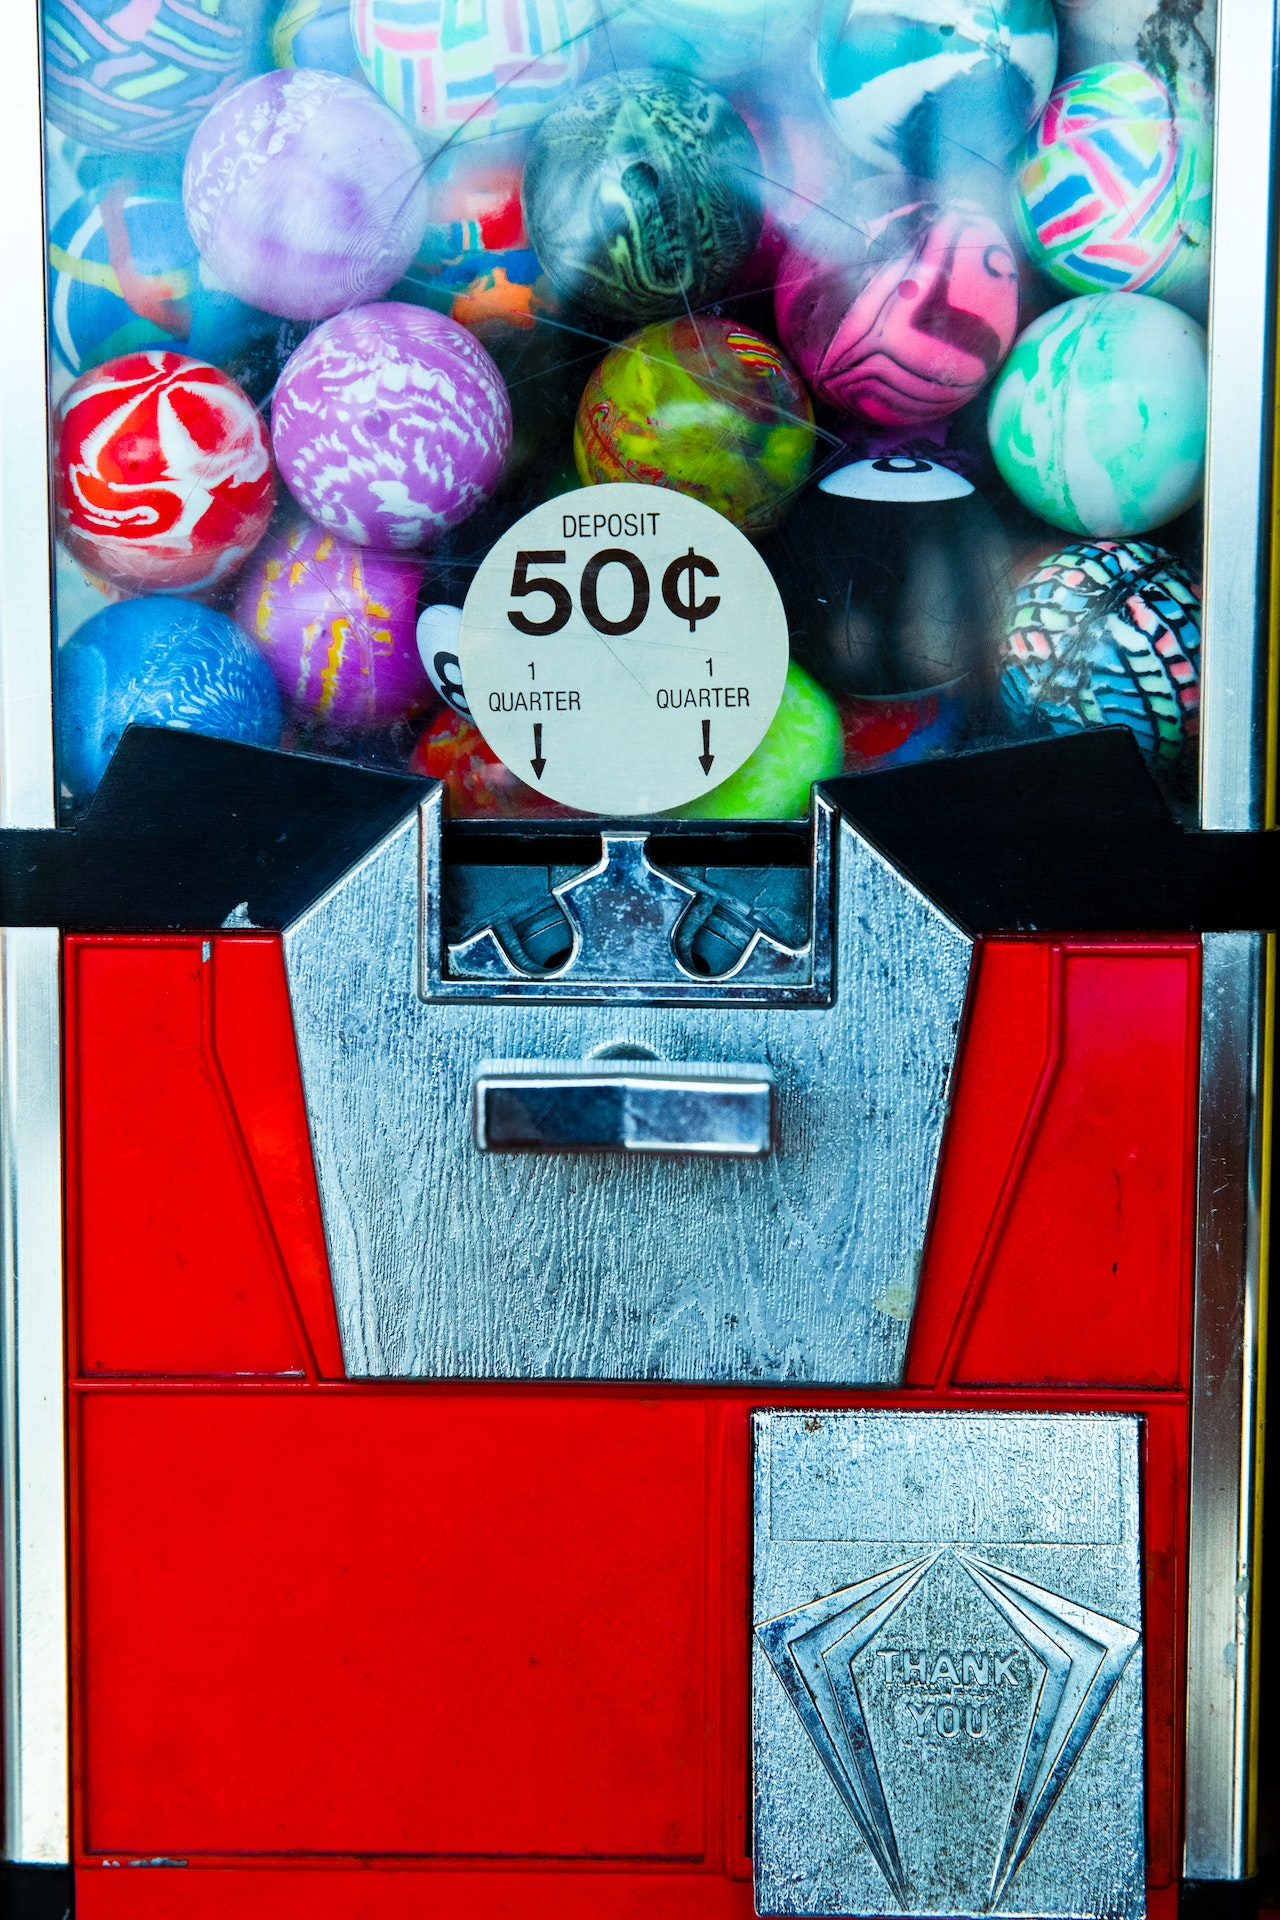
pixel 1097 420
pixel 931 86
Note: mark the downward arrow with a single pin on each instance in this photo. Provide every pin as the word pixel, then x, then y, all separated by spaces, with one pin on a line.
pixel 706 756
pixel 537 762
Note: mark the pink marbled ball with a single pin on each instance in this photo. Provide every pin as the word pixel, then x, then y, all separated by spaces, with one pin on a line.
pixel 391 424
pixel 901 310
pixel 336 625
pixel 304 193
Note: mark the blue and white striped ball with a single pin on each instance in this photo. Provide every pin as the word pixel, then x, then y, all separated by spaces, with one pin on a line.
pixel 125 273
pixel 137 77
pixel 1106 634
pixel 933 88
pixel 157 662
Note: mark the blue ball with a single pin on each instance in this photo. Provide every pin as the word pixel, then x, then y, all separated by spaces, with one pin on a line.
pixel 314 33
pixel 139 77
pixel 158 662
pixel 125 274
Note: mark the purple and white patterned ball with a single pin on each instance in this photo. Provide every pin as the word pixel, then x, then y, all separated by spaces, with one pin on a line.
pixel 337 626
pixel 304 193
pixel 391 424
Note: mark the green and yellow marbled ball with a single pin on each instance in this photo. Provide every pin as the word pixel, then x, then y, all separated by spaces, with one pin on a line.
pixel 705 407
pixel 1097 419
pixel 804 744
pixel 642 195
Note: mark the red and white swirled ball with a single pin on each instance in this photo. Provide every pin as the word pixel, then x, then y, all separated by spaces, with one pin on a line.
pixel 901 310
pixel 163 472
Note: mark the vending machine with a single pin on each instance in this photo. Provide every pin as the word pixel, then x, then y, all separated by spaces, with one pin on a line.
pixel 635 785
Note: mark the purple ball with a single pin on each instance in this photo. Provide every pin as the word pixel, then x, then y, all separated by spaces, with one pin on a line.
pixel 336 625
pixel 304 193
pixel 390 424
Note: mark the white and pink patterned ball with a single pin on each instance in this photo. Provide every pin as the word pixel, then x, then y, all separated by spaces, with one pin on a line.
pixel 391 424
pixel 336 625
pixel 164 475
pixel 304 193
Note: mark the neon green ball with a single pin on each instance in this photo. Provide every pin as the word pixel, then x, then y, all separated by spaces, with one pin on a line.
pixel 805 742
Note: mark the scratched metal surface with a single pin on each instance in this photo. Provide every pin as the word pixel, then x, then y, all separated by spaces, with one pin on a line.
pixel 947 1677
pixel 449 1263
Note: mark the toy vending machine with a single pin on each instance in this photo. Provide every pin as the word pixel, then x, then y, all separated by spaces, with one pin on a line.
pixel 633 749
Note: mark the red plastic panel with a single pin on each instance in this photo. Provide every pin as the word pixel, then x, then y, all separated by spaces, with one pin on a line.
pixel 485 1651
pixel 175 1264
pixel 253 1040
pixel 389 1622
pixel 267 1893
pixel 1062 1246
pixel 361 1621
pixel 272 1893
pixel 183 1267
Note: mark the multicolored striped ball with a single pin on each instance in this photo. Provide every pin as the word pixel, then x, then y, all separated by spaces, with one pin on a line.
pixel 125 273
pixel 472 68
pixel 1106 634
pixel 1112 191
pixel 136 77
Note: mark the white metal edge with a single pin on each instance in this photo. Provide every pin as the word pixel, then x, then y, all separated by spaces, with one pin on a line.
pixel 1234 659
pixel 26 608
pixel 32 1409
pixel 1230 1251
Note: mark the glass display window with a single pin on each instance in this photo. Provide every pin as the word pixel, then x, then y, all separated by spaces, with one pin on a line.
pixel 911 302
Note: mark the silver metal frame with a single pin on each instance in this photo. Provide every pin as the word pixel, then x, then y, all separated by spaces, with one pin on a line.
pixel 26 612
pixel 32 1396
pixel 1233 752
pixel 1235 657
pixel 1225 1430
pixel 33 1480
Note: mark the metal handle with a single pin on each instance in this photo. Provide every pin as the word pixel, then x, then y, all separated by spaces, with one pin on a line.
pixel 623 1106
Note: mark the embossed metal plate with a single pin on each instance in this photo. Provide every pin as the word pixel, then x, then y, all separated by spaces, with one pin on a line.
pixel 796 1264
pixel 947 1680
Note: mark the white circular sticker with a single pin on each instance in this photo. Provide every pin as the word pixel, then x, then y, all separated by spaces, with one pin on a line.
pixel 623 648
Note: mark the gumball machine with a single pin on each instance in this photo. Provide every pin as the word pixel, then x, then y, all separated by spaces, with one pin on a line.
pixel 637 864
